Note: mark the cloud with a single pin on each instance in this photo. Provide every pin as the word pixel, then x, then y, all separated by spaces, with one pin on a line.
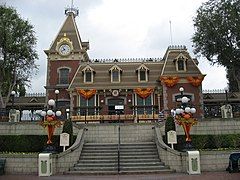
pixel 117 29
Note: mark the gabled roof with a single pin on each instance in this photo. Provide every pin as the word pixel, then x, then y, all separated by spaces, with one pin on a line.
pixel 102 80
pixel 69 29
pixel 171 55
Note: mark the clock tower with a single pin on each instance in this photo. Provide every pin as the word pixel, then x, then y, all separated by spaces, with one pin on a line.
pixel 63 58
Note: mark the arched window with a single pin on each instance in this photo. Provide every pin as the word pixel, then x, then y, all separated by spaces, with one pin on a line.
pixel 115 72
pixel 142 73
pixel 181 63
pixel 64 76
pixel 88 74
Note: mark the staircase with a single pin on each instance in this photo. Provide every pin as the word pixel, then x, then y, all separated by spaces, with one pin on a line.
pixel 134 158
pixel 141 158
pixel 97 159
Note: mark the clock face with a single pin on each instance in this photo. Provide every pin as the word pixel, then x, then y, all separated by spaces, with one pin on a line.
pixel 64 49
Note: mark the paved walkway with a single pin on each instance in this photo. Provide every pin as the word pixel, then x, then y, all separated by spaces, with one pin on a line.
pixel 175 176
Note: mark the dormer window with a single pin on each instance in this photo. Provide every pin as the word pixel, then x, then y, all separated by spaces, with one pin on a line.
pixel 180 63
pixel 115 72
pixel 142 72
pixel 88 73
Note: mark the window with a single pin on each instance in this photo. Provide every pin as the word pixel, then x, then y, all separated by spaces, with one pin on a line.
pixel 115 76
pixel 87 106
pixel 115 72
pixel 64 76
pixel 88 74
pixel 145 105
pixel 142 73
pixel 181 63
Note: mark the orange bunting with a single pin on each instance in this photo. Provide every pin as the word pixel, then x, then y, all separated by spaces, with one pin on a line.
pixel 87 93
pixel 143 92
pixel 170 81
pixel 195 80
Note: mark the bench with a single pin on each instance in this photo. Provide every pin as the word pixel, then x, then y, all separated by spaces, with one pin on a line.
pixel 2 165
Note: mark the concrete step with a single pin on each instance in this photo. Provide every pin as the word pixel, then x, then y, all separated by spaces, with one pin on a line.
pixel 85 154
pixel 97 161
pixel 98 157
pixel 149 167
pixel 127 160
pixel 73 172
pixel 99 169
pixel 155 171
pixel 96 164
pixel 131 153
pixel 137 164
pixel 139 156
pixel 99 151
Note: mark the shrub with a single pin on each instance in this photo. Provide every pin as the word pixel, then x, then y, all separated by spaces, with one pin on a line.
pixel 68 128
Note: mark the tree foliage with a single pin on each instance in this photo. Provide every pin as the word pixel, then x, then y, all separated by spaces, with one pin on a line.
pixel 217 35
pixel 17 43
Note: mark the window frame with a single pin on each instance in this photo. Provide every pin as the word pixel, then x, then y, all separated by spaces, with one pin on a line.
pixel 115 68
pixel 141 69
pixel 183 60
pixel 61 78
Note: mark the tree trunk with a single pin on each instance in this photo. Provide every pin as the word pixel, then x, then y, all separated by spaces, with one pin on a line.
pixel 236 76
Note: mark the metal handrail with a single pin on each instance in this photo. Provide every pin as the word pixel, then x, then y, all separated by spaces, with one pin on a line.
pixel 119 142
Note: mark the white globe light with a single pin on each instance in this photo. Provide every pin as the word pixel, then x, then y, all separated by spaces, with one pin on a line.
pixel 182 111
pixel 13 93
pixel 51 102
pixel 185 99
pixel 187 109
pixel 178 111
pixel 56 91
pixel 181 89
pixel 193 110
pixel 58 113
pixel 49 112
pixel 43 113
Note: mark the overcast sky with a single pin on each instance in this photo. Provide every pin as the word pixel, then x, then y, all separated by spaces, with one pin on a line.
pixel 118 29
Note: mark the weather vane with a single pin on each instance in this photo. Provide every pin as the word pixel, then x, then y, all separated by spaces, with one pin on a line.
pixel 71 10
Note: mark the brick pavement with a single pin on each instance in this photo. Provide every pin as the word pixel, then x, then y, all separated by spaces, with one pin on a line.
pixel 174 176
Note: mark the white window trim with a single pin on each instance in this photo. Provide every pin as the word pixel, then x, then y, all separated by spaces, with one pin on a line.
pixel 115 67
pixel 88 68
pixel 184 58
pixel 142 67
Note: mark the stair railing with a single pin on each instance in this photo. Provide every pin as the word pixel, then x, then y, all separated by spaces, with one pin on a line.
pixel 119 142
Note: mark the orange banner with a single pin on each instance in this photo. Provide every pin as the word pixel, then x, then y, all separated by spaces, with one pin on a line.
pixel 195 80
pixel 170 81
pixel 87 93
pixel 143 92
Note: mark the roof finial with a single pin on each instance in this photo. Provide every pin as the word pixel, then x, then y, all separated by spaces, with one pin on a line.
pixel 71 10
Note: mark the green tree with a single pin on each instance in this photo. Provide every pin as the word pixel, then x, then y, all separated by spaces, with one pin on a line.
pixel 18 53
pixel 217 35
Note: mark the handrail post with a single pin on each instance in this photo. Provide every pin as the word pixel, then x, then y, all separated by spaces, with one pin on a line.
pixel 119 142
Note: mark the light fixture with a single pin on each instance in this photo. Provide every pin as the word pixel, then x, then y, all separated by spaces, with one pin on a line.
pixel 181 89
pixel 56 91
pixel 51 102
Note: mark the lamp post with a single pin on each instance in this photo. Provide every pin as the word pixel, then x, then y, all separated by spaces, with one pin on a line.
pixel 50 122
pixel 56 93
pixel 184 117
pixel 226 95
pixel 13 93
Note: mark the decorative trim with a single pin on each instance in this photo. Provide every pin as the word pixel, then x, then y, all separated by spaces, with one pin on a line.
pixel 195 80
pixel 143 92
pixel 115 92
pixel 169 81
pixel 86 93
